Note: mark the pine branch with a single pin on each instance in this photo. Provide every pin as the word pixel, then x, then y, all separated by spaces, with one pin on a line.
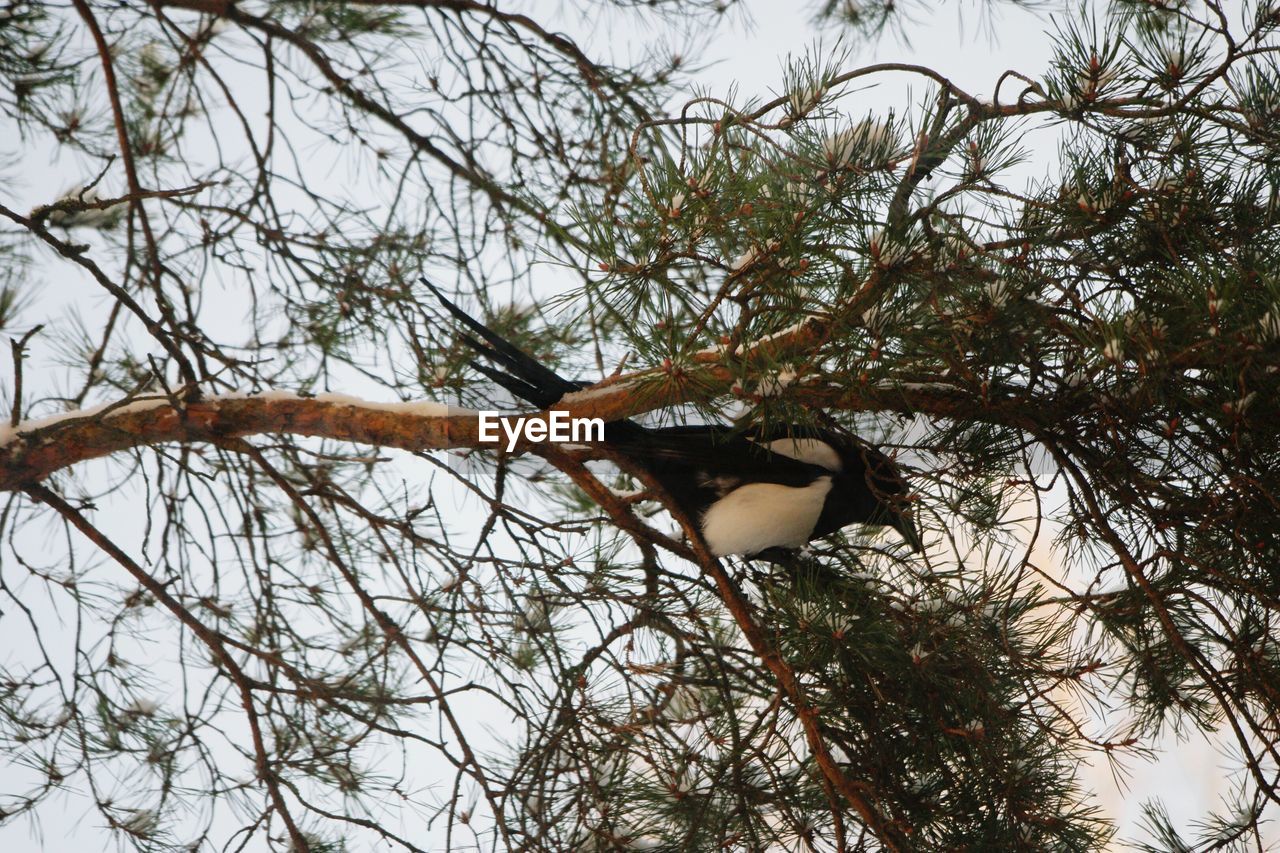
pixel 34 450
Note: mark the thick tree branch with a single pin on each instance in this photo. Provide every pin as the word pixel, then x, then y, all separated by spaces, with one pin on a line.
pixel 33 450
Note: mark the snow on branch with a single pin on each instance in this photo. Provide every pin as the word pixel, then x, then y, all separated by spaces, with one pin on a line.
pixel 34 449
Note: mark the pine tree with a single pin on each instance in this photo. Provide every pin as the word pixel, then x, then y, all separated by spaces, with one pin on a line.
pixel 264 587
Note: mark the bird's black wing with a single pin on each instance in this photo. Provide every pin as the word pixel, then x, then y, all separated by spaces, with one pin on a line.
pixel 713 452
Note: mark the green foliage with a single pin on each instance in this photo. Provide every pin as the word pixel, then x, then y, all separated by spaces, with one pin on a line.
pixel 1072 347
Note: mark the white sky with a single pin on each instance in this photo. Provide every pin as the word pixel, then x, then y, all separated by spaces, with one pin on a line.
pixel 962 43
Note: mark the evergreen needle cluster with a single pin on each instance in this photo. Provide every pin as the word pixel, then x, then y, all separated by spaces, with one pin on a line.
pixel 1054 301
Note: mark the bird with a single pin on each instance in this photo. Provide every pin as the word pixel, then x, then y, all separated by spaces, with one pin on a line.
pixel 761 491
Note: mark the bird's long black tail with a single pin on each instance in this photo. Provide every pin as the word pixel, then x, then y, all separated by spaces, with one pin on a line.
pixel 520 373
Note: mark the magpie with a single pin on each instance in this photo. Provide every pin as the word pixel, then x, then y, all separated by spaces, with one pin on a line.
pixel 755 491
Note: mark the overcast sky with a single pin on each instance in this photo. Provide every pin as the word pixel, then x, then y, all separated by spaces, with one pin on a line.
pixel 969 45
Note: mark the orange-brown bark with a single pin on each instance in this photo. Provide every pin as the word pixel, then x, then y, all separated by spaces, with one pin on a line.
pixel 39 451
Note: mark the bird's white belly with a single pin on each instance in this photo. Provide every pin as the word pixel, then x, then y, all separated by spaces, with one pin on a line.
pixel 757 516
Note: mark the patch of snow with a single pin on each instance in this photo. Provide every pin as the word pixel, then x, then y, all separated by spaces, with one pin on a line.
pixel 420 408
pixel 586 394
pixel 772 386
pixel 746 259
pixel 999 292
pixel 912 386
pixel 794 328
pixel 110 410
pixel 116 409
pixel 626 494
